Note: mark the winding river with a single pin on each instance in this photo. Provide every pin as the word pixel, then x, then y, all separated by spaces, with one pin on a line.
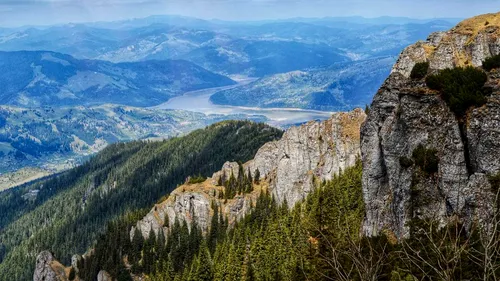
pixel 199 101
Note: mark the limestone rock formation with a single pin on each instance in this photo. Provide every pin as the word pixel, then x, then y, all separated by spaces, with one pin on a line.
pixel 104 276
pixel 317 149
pixel 287 168
pixel 405 114
pixel 469 43
pixel 48 268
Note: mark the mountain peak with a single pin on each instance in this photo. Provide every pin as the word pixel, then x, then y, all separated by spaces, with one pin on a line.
pixel 469 43
pixel 475 25
pixel 409 119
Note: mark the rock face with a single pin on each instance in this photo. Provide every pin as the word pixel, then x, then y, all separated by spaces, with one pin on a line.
pixel 469 43
pixel 405 114
pixel 317 149
pixel 104 276
pixel 48 269
pixel 287 168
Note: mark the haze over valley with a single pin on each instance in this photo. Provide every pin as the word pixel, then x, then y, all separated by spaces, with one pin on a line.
pixel 210 140
pixel 283 72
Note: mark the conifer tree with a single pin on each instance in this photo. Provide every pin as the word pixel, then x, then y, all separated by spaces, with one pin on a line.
pixel 257 176
pixel 249 175
pixel 137 244
pixel 149 256
pixel 214 229
pixel 204 267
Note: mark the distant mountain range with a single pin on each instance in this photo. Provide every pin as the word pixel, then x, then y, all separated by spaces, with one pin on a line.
pixel 54 138
pixel 339 87
pixel 246 48
pixel 66 91
pixel 41 78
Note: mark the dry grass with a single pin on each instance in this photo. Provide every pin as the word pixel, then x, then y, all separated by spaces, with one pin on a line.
pixel 211 192
pixel 428 49
pixel 473 26
pixel 351 125
pixel 61 271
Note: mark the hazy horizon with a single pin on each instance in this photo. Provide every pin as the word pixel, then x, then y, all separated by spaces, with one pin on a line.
pixel 50 12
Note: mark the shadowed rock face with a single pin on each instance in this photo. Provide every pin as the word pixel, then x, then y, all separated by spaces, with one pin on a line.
pixel 287 168
pixel 405 114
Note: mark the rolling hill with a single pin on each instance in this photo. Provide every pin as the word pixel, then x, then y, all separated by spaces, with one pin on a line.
pixel 341 86
pixel 39 78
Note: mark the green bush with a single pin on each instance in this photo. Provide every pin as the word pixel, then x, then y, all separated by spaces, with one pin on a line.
pixel 198 179
pixel 426 159
pixel 419 71
pixel 460 87
pixel 72 274
pixel 405 162
pixel 491 62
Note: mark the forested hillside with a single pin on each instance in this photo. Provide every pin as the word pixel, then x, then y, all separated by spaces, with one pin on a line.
pixel 270 243
pixel 66 213
pixel 318 239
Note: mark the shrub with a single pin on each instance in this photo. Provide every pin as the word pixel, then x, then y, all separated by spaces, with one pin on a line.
pixel 419 71
pixel 491 62
pixel 405 162
pixel 72 274
pixel 367 109
pixel 426 159
pixel 460 88
pixel 198 179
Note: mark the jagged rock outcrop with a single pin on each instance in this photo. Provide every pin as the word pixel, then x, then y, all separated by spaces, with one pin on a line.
pixel 48 268
pixel 317 149
pixel 104 276
pixel 405 114
pixel 287 168
pixel 469 43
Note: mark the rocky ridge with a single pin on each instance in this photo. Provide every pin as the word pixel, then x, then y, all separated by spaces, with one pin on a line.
pixel 49 269
pixel 287 168
pixel 405 114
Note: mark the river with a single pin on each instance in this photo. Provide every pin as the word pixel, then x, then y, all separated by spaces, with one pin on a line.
pixel 199 101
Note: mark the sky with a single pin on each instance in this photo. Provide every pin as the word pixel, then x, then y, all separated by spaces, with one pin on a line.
pixel 48 12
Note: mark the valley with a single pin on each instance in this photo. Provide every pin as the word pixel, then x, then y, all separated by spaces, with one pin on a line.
pixel 172 148
pixel 200 101
pixel 51 139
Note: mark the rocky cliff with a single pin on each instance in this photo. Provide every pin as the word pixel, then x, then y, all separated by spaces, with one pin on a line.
pixel 287 168
pixel 405 114
pixel 49 269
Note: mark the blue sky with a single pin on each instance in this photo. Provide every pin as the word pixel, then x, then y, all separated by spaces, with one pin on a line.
pixel 44 12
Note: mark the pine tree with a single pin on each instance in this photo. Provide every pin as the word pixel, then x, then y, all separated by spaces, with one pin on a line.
pixel 249 276
pixel 160 247
pixel 231 187
pixel 149 256
pixel 214 229
pixel 193 272
pixel 123 274
pixel 257 176
pixel 168 269
pixel 137 244
pixel 204 268
pixel 249 175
